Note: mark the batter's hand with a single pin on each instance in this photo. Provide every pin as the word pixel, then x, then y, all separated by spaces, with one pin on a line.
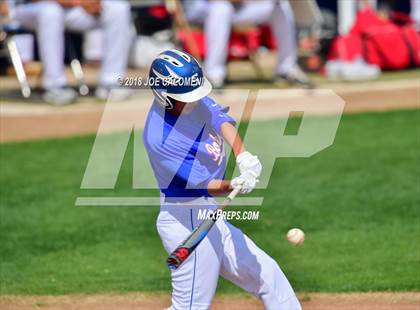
pixel 247 181
pixel 248 162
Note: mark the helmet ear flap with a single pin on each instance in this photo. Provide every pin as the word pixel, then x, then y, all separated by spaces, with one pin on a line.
pixel 169 105
pixel 171 102
pixel 163 99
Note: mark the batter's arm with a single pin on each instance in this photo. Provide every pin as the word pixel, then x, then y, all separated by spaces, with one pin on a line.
pixel 219 187
pixel 245 160
pixel 231 136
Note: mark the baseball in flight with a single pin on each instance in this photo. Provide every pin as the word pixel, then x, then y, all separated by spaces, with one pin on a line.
pixel 296 236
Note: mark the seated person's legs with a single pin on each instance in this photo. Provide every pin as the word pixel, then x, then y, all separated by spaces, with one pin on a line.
pixel 284 30
pixel 217 18
pixel 46 18
pixel 217 28
pixel 196 10
pixel 114 19
pixel 254 12
pixel 283 24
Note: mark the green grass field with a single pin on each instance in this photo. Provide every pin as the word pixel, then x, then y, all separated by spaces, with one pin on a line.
pixel 358 202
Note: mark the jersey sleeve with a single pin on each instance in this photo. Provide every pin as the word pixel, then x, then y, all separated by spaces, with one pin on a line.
pixel 218 115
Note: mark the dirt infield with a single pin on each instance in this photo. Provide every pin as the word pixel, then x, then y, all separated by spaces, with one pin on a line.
pixel 21 122
pixel 312 301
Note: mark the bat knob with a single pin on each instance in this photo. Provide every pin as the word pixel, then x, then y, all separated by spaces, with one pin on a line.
pixel 177 257
pixel 172 262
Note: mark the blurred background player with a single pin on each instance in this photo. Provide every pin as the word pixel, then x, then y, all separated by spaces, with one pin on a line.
pixel 49 19
pixel 218 17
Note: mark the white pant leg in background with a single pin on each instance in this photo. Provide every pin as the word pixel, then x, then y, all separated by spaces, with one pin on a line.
pixel 49 19
pixel 116 23
pixel 226 251
pixel 254 12
pixel 217 18
pixel 283 24
pixel 280 14
pixel 93 49
pixel 25 46
pixel 46 18
pixel 115 20
pixel 415 12
pixel 196 10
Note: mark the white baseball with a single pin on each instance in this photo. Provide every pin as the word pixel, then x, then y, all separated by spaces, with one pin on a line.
pixel 295 236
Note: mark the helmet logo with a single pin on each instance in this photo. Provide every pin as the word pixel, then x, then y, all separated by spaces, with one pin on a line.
pixel 172 74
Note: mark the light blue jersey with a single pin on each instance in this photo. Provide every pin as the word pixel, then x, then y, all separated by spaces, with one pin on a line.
pixel 186 152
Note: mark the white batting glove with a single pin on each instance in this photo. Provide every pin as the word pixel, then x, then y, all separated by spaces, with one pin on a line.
pixel 247 181
pixel 248 162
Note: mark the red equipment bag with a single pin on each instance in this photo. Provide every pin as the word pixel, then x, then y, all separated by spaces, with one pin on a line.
pixel 391 47
pixel 378 41
pixel 345 48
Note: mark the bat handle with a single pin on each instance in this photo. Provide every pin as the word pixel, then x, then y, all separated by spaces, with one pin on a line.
pixel 233 193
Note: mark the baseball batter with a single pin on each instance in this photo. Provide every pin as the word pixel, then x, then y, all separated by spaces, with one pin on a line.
pixel 184 137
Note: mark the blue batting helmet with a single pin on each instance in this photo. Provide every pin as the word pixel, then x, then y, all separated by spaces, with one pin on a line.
pixel 177 75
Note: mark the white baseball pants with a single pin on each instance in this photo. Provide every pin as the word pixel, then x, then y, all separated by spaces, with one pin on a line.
pixel 226 251
pixel 49 19
pixel 218 18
